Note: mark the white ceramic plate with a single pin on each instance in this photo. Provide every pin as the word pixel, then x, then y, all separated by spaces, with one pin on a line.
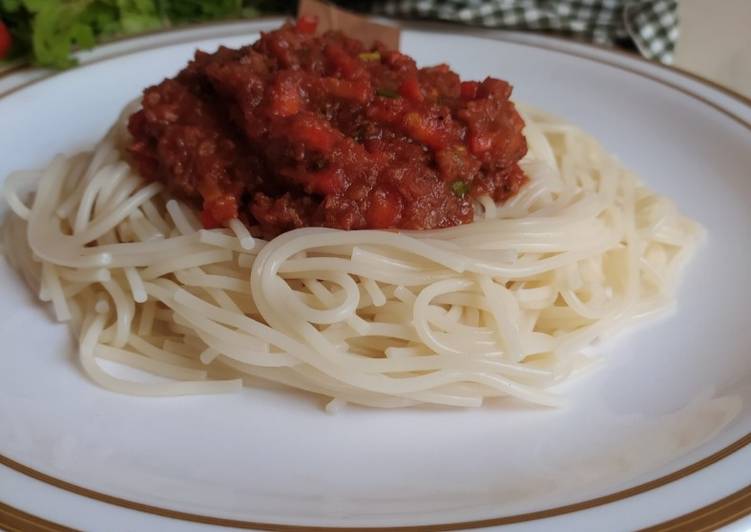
pixel 656 433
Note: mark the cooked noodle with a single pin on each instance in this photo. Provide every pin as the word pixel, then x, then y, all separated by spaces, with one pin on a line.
pixel 504 306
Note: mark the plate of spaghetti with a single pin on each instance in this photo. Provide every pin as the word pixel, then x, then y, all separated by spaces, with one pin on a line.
pixel 295 278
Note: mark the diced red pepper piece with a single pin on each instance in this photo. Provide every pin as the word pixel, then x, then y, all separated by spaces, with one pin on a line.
pixel 326 182
pixel 316 133
pixel 359 91
pixel 426 130
pixel 469 89
pixel 307 24
pixel 497 88
pixel 410 89
pixel 284 96
pixel 342 62
pixel 208 221
pixel 385 208
pixel 219 211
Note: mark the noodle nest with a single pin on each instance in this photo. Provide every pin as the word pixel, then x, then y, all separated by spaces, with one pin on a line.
pixel 506 306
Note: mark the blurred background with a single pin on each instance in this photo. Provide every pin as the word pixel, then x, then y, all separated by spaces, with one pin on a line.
pixel 715 41
pixel 709 38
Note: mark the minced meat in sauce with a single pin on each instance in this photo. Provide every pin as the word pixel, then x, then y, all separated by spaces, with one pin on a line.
pixel 302 130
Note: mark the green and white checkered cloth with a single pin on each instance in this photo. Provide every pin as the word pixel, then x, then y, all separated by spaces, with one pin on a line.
pixel 651 25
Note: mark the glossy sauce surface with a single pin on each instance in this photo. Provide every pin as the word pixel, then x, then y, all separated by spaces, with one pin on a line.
pixel 304 130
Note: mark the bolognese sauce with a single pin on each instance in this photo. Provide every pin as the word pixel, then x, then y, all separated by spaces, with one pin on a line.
pixel 300 129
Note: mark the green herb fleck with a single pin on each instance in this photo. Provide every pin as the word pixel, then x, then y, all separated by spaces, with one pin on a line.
pixel 387 93
pixel 370 56
pixel 460 188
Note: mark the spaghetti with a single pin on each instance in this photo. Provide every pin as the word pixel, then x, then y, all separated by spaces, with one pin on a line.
pixel 503 306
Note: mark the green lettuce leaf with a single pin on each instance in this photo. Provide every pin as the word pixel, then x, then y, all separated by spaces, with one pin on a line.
pixel 49 31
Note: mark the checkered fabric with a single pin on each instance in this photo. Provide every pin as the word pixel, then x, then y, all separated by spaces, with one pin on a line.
pixel 651 25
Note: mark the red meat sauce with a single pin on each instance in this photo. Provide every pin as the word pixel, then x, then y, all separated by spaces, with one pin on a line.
pixel 302 130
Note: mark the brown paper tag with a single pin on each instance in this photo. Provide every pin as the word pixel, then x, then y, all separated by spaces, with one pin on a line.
pixel 361 28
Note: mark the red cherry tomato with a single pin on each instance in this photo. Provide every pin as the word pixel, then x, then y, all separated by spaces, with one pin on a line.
pixel 4 40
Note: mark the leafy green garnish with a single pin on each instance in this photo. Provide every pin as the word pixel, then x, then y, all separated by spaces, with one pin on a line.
pixel 460 188
pixel 195 10
pixel 387 93
pixel 58 28
pixel 47 32
pixel 138 15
